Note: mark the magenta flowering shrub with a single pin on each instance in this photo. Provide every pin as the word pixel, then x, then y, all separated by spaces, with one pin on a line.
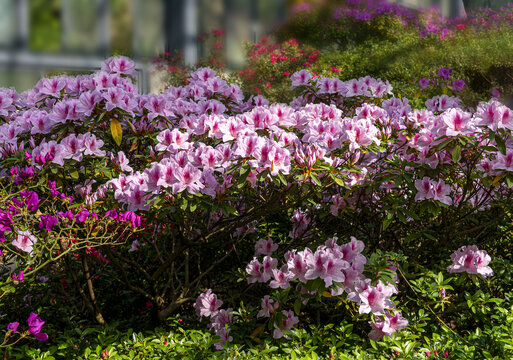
pixel 161 196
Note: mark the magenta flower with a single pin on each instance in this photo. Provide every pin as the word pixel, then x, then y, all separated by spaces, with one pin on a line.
pixel 19 277
pixel 47 222
pixel 13 326
pixel 471 260
pixel 35 324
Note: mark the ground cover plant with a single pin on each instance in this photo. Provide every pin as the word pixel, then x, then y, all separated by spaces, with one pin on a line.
pixel 345 224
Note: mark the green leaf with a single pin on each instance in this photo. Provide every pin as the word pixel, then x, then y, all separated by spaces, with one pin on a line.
pixel 297 306
pixel 456 153
pixel 501 145
pixel 116 131
pixel 315 179
pixel 386 223
pixel 337 180
pixel 282 178
pixel 509 181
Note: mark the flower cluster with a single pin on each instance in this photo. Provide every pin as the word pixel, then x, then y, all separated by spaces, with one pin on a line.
pixel 207 304
pixel 35 325
pixel 340 267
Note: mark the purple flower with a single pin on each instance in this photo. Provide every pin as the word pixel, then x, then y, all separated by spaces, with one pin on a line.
pixel 47 222
pixel 424 83
pixel 18 277
pixel 458 85
pixel 35 324
pixel 31 200
pixel 496 93
pixel 132 217
pixel 5 221
pixel 13 326
pixel 113 214
pixel 82 216
pixel 445 73
pixel 42 337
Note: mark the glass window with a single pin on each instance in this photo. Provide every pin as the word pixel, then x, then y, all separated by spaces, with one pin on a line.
pixel 7 23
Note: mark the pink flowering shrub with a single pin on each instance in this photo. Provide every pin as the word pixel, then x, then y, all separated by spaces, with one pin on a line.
pixel 160 196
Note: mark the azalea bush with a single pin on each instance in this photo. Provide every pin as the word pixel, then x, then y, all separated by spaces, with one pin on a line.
pixel 260 217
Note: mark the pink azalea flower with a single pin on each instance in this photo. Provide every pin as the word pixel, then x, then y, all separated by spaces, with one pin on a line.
pixel 268 265
pixel 297 265
pixel 268 306
pixel 224 334
pixel 287 324
pixel 188 178
pixel 387 326
pixel 255 271
pixel 441 192
pixel 207 304
pixel 265 247
pixel 301 77
pixel 135 246
pixel 281 280
pixel 424 189
pixel 457 122
pixel 375 301
pixel 471 260
pixel 503 162
pixel 25 241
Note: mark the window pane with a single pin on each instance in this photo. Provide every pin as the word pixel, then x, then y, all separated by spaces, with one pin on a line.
pixel 148 27
pixel 80 25
pixel 7 23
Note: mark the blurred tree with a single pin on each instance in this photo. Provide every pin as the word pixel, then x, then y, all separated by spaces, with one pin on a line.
pixel 45 25
pixel 121 31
